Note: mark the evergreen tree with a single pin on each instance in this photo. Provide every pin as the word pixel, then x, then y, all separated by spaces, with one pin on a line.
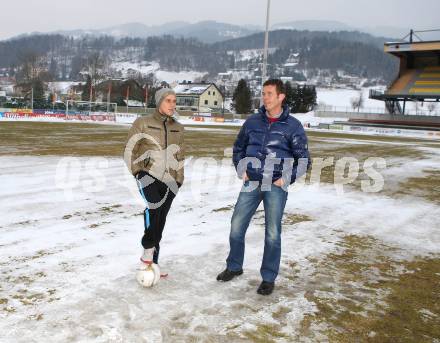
pixel 241 99
pixel 120 100
pixel 309 96
pixel 302 99
pixel 39 99
pixel 290 95
pixel 85 96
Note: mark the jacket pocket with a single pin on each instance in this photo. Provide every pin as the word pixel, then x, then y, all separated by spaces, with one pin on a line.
pixel 154 127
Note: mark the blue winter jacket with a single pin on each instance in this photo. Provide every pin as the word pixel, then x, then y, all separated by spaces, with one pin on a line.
pixel 285 140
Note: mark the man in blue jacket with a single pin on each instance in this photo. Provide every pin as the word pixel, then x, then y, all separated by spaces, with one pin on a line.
pixel 269 154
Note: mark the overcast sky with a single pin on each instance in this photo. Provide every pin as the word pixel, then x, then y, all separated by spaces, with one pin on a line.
pixel 22 16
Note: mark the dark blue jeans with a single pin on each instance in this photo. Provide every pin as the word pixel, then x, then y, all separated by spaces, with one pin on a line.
pixel 274 201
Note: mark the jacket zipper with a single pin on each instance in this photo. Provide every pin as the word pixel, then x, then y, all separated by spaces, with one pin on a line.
pixel 166 133
pixel 166 146
pixel 266 133
pixel 264 140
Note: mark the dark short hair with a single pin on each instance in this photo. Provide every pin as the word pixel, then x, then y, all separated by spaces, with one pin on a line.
pixel 281 89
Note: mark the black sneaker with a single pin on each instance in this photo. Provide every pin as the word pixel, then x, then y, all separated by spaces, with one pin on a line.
pixel 266 288
pixel 228 275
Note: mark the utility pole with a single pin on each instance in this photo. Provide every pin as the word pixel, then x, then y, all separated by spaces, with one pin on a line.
pixel 91 95
pixel 128 96
pixel 266 48
pixel 108 96
pixel 91 90
pixel 32 98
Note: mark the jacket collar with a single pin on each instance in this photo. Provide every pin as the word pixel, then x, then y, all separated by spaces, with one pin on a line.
pixel 283 117
pixel 160 117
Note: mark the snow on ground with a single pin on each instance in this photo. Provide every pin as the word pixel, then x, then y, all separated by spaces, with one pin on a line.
pixel 341 98
pixel 70 245
pixel 315 121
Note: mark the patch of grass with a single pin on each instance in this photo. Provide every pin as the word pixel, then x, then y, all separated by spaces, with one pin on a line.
pixel 41 274
pixel 265 333
pixel 72 139
pixel 364 295
pixel 427 187
pixel 233 327
pixel 109 209
pixel 293 218
pixel 246 307
pixel 361 152
pixel 37 255
pixel 36 317
pixel 86 139
pixel 9 309
pixel 281 313
pixel 23 223
pixel 293 271
pixel 223 209
pixel 30 299
pixel 103 211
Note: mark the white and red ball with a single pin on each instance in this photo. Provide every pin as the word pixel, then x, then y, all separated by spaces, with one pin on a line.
pixel 148 275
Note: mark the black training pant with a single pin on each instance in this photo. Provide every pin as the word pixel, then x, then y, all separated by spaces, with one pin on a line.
pixel 154 216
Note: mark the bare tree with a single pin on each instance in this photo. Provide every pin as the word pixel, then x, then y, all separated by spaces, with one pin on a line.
pixel 29 67
pixel 432 106
pixel 95 66
pixel 358 102
pixel 416 107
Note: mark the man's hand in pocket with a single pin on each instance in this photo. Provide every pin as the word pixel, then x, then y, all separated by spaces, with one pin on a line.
pixel 279 183
pixel 245 177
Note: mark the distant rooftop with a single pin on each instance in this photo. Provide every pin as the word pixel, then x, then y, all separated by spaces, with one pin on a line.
pixel 192 88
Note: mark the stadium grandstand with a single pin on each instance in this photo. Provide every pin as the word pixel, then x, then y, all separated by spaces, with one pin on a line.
pixel 419 73
pixel 417 86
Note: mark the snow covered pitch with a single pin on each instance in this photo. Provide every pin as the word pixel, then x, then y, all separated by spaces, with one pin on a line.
pixel 71 222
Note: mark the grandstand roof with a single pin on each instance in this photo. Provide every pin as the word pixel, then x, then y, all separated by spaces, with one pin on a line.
pixel 419 71
pixel 404 48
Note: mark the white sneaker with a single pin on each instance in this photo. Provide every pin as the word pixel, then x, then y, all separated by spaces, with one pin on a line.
pixel 147 260
pixel 147 256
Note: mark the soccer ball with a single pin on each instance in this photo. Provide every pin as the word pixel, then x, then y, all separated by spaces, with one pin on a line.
pixel 149 275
